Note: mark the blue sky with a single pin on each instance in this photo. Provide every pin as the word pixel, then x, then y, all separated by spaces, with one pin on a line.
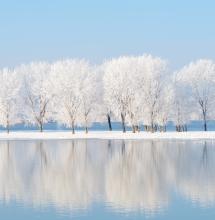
pixel 180 31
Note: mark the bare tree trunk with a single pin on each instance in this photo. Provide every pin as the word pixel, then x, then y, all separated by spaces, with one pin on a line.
pixel 41 127
pixel 133 128
pixel 204 114
pixel 205 121
pixel 146 127
pixel 109 122
pixel 86 124
pixel 137 129
pixel 179 128
pixel 152 121
pixel 155 127
pixel 152 127
pixel 8 124
pixel 123 122
pixel 8 128
pixel 73 127
pixel 205 125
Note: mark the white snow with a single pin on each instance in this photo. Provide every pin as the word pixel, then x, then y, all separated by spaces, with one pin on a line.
pixel 55 135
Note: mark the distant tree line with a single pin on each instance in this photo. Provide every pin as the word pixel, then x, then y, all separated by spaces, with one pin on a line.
pixel 136 90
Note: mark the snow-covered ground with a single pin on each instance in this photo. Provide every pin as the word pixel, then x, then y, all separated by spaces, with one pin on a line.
pixel 52 135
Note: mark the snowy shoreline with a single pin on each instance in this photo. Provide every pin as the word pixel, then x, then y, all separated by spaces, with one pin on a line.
pixel 67 135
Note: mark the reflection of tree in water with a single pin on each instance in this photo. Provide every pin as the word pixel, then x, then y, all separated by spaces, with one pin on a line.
pixel 128 175
pixel 196 177
pixel 64 175
pixel 43 156
pixel 123 147
pixel 132 180
pixel 72 151
pixel 205 154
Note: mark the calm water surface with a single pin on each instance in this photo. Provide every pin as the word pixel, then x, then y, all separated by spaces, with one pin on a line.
pixel 107 179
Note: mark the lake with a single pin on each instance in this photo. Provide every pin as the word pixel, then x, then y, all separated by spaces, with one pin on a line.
pixel 107 179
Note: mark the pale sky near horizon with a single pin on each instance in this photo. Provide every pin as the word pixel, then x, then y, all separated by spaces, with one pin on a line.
pixel 180 31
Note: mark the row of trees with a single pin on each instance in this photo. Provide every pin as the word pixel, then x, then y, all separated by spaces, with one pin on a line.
pixel 136 90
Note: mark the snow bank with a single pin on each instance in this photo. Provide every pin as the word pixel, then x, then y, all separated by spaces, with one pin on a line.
pixel 55 135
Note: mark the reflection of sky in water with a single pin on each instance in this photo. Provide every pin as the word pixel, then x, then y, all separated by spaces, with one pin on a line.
pixel 106 179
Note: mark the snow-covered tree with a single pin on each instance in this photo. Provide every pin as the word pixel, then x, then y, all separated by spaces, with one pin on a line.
pixel 118 91
pixel 37 93
pixel 152 86
pixel 165 106
pixel 182 106
pixel 199 77
pixel 105 106
pixel 68 84
pixel 134 86
pixel 89 96
pixel 9 94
